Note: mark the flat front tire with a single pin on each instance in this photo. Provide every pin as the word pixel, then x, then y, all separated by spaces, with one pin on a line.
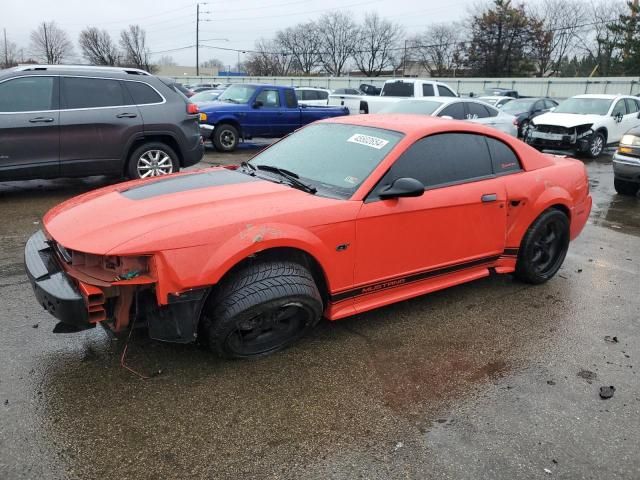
pixel 261 309
pixel 543 247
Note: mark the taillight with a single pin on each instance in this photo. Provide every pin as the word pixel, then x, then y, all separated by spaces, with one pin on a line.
pixel 192 109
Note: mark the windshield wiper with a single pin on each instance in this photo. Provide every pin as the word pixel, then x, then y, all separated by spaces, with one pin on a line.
pixel 293 178
pixel 249 169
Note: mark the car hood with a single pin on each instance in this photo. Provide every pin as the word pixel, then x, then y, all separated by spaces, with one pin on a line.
pixel 178 211
pixel 218 106
pixel 567 120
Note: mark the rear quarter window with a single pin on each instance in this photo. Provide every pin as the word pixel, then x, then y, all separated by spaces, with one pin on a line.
pixel 142 93
pixel 504 159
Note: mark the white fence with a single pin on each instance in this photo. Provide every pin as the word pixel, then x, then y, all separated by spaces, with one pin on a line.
pixel 550 87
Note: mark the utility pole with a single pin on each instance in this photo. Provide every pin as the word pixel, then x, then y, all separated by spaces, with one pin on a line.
pixel 404 60
pixel 6 50
pixel 198 35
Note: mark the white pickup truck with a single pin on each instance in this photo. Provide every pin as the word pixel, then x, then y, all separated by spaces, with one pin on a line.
pixel 392 91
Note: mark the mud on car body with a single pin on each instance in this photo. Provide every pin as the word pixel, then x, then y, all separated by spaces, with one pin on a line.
pixel 249 259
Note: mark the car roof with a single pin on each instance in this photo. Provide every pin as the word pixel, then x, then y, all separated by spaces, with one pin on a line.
pixel 496 97
pixel 98 71
pixel 604 96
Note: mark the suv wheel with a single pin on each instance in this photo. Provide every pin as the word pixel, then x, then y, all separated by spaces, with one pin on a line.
pixel 225 137
pixel 596 145
pixel 152 160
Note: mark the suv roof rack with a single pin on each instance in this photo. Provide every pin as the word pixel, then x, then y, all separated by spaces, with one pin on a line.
pixel 130 71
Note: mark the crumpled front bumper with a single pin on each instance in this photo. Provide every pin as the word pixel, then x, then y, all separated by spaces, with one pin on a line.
pixel 54 289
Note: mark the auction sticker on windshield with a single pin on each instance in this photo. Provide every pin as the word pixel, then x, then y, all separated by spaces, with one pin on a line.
pixel 368 140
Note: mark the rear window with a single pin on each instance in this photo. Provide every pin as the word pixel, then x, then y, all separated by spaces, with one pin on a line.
pixel 397 89
pixel 142 93
pixel 79 92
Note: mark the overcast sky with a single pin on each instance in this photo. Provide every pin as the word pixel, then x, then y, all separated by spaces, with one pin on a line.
pixel 170 24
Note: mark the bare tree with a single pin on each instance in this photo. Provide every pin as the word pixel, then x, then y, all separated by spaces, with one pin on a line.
pixel 97 46
pixel 438 49
pixel 338 39
pixel 378 40
pixel 268 60
pixel 600 43
pixel 213 63
pixel 302 42
pixel 562 21
pixel 8 53
pixel 167 61
pixel 133 42
pixel 50 44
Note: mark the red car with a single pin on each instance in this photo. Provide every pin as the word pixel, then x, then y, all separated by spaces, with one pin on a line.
pixel 341 217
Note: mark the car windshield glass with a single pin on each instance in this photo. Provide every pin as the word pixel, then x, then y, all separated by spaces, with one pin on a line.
pixel 237 94
pixel 584 106
pixel 426 107
pixel 334 158
pixel 208 96
pixel 517 106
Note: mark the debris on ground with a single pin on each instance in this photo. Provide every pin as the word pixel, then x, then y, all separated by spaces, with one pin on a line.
pixel 579 270
pixel 550 382
pixel 35 325
pixel 588 375
pixel 398 446
pixel 546 470
pixel 610 339
pixel 607 392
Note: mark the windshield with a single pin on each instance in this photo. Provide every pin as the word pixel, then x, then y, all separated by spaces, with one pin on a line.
pixel 208 96
pixel 584 106
pixel 426 107
pixel 517 106
pixel 238 94
pixel 334 158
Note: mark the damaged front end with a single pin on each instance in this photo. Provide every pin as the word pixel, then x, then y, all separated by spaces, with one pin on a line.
pixel 560 138
pixel 82 290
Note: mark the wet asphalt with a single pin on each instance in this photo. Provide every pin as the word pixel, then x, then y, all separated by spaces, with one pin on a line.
pixel 489 380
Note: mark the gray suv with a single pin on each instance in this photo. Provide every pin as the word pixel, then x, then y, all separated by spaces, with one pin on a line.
pixel 71 121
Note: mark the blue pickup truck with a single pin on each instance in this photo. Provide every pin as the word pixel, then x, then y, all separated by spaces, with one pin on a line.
pixel 244 111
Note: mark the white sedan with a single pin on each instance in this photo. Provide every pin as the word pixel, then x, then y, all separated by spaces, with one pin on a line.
pixel 457 109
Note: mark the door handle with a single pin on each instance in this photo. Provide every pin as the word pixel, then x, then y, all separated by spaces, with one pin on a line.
pixel 41 120
pixel 126 115
pixel 489 197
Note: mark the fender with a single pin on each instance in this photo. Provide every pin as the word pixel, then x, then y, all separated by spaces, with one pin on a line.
pixel 232 119
pixel 215 261
pixel 550 196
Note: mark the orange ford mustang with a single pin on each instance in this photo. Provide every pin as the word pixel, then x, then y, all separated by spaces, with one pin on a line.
pixel 341 217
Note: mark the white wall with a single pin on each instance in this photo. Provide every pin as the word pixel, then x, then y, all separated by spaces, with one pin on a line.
pixel 552 87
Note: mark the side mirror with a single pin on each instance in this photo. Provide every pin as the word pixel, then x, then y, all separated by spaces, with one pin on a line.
pixel 552 109
pixel 403 187
pixel 257 104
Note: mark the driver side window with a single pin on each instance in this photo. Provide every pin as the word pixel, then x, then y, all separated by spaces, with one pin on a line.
pixel 269 98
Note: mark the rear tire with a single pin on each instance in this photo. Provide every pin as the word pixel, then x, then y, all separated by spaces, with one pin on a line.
pixel 625 188
pixel 543 247
pixel 152 159
pixel 261 309
pixel 225 137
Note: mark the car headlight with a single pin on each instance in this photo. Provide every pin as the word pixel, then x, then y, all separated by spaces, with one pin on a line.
pixel 630 140
pixel 110 268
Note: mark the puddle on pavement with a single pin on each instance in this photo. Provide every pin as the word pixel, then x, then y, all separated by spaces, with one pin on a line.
pixel 355 384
